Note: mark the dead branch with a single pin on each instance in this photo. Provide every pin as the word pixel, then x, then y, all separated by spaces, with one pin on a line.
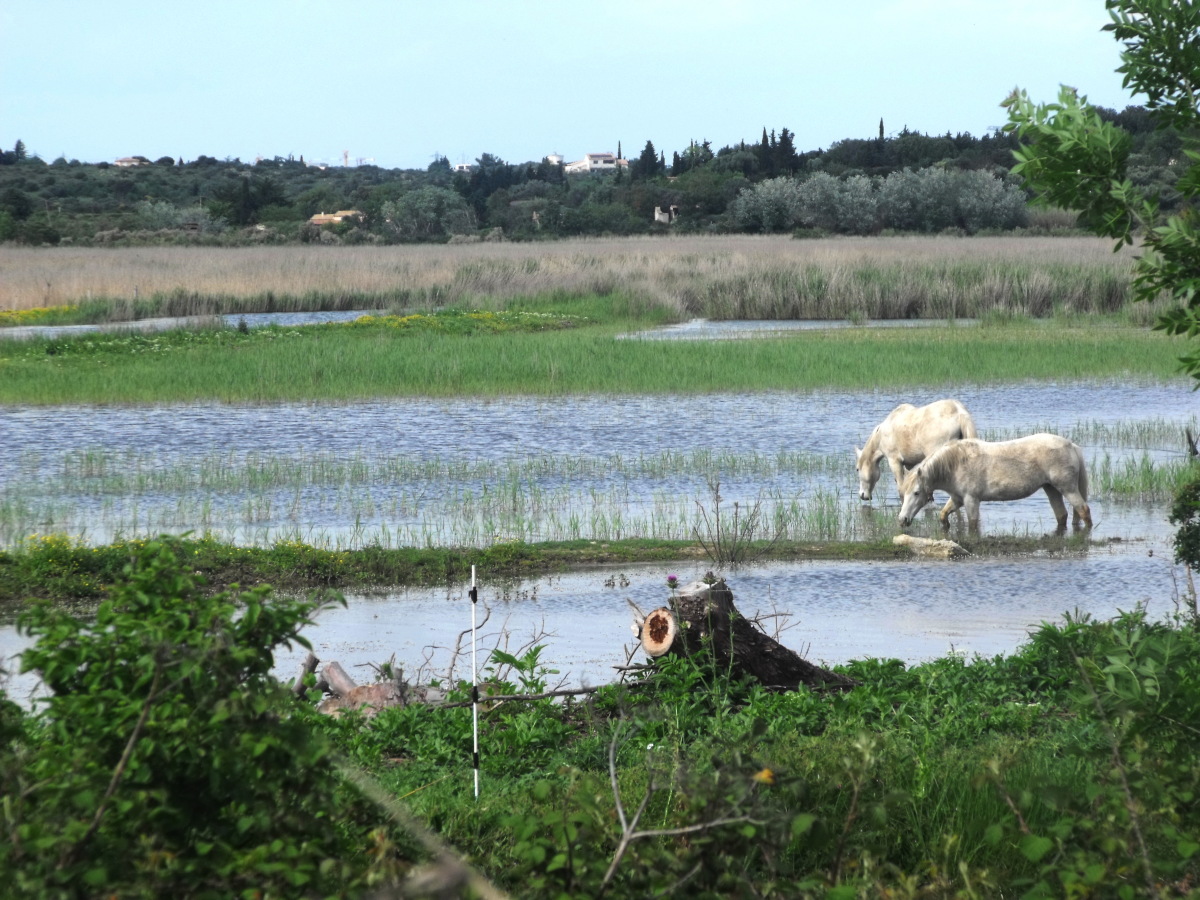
pixel 496 698
pixel 629 832
pixel 306 668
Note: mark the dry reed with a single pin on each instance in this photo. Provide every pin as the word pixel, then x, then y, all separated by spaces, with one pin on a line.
pixel 729 276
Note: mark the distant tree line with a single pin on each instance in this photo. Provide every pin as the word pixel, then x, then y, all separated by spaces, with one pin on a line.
pixel 901 182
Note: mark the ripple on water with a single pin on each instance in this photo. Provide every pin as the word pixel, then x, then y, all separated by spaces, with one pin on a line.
pixel 908 610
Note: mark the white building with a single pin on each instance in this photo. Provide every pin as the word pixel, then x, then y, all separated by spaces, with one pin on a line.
pixel 596 162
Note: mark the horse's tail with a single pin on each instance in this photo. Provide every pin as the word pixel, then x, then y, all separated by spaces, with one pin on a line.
pixel 1083 476
pixel 966 425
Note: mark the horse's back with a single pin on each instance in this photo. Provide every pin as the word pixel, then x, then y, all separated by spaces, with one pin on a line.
pixel 1020 464
pixel 918 431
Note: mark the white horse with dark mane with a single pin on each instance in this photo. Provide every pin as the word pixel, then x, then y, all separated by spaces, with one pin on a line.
pixel 908 435
pixel 971 471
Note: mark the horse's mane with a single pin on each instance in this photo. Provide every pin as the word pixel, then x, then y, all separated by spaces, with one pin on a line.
pixel 872 443
pixel 939 466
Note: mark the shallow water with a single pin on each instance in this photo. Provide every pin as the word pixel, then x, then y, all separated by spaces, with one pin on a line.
pixel 47 486
pixel 733 329
pixel 694 329
pixel 912 610
pixel 166 323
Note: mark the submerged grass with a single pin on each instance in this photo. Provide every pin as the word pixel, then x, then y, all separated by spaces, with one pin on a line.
pixel 393 500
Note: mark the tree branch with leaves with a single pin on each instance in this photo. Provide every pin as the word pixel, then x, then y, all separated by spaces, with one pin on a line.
pixel 1075 159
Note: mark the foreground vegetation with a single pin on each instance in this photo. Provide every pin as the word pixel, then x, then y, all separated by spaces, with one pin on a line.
pixel 1064 769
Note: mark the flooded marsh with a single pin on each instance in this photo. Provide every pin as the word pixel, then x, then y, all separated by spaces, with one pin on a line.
pixel 471 472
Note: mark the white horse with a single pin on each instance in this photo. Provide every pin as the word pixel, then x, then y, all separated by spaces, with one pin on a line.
pixel 973 470
pixel 907 436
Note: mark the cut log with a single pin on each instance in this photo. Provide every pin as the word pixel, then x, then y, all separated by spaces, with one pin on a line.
pixel 657 632
pixel 344 693
pixel 703 618
pixel 370 698
pixel 339 682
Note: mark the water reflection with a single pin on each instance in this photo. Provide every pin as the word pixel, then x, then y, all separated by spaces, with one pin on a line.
pixel 734 329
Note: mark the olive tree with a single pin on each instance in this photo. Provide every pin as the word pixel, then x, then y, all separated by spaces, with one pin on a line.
pixel 160 214
pixel 429 214
pixel 771 205
pixel 934 199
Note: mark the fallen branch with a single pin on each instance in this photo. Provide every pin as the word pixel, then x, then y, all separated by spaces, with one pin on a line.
pixel 495 698
pixel 629 832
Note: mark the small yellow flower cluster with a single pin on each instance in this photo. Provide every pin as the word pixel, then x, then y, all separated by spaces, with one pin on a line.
pixel 56 541
pixel 31 316
pixel 409 321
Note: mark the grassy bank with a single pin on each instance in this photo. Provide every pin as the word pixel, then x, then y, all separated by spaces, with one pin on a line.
pixel 350 362
pixel 1025 775
pixel 54 567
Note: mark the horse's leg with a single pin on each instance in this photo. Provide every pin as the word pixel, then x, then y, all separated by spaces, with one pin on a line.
pixel 972 507
pixel 952 505
pixel 898 471
pixel 1056 502
pixel 1079 508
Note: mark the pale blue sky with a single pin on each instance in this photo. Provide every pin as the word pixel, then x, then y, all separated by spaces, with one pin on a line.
pixel 401 80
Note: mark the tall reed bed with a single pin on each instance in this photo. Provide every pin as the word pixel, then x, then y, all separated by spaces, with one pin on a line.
pixel 717 277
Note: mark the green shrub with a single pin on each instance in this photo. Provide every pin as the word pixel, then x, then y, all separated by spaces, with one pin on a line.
pixel 167 761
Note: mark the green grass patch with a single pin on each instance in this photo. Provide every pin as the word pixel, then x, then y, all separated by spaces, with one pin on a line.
pixel 379 359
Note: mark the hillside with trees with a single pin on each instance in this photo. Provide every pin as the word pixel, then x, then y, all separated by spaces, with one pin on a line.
pixel 906 182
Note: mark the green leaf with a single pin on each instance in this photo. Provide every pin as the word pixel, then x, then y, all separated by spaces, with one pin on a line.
pixel 1034 847
pixel 802 824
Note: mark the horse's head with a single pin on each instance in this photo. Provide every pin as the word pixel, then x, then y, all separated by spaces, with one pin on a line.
pixel 916 493
pixel 867 463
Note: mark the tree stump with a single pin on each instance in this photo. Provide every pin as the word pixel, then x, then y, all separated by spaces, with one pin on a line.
pixel 703 618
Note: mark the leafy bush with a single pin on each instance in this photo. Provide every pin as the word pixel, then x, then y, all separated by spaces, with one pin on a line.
pixel 166 761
